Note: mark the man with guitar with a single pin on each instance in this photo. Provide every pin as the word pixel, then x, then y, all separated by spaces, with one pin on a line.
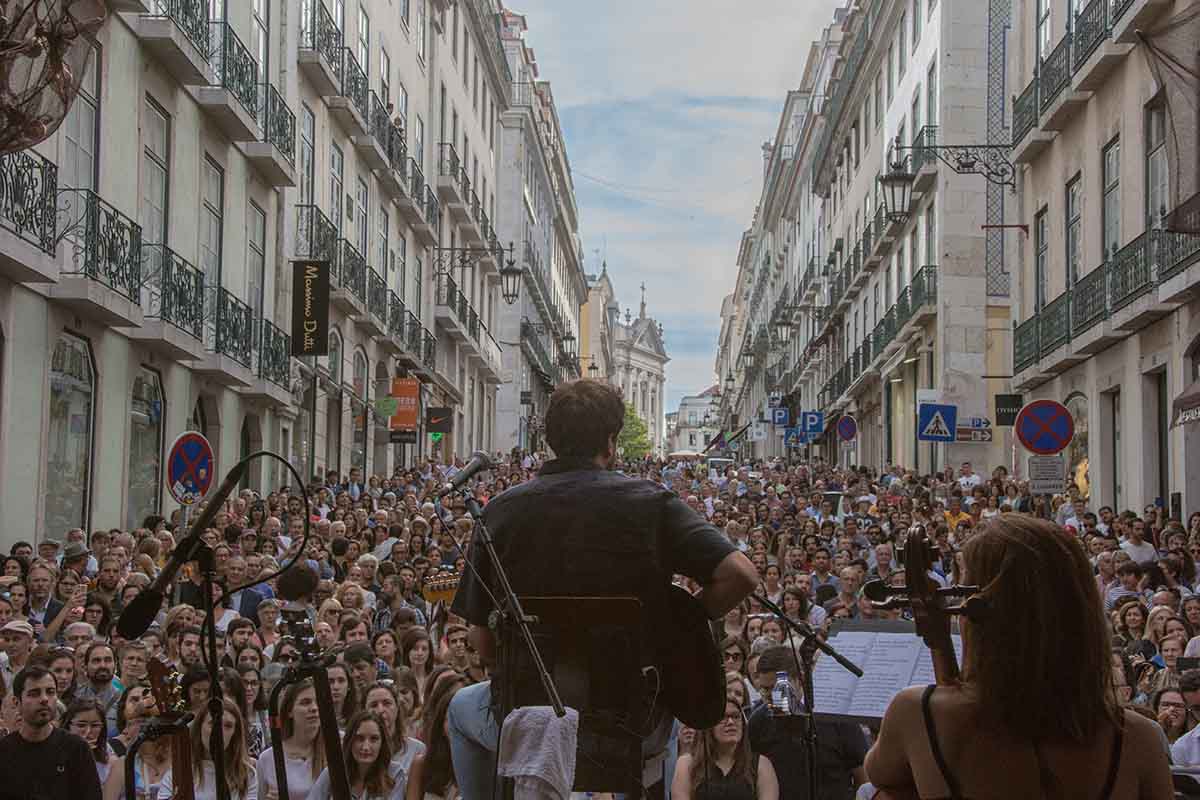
pixel 580 529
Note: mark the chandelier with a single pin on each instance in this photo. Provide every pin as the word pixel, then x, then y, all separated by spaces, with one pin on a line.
pixel 44 50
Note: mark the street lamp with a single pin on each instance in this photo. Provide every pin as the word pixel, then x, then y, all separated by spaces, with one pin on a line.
pixel 729 382
pixel 783 328
pixel 593 369
pixel 510 279
pixel 897 186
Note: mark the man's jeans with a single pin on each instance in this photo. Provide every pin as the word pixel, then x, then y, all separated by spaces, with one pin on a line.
pixel 475 740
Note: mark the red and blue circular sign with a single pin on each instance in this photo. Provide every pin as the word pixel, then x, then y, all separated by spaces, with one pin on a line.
pixel 847 428
pixel 190 468
pixel 1044 427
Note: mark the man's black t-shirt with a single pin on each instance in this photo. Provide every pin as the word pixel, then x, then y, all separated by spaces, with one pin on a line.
pixel 841 748
pixel 60 768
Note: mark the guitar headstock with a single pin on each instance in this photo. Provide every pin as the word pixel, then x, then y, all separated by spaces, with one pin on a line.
pixel 166 685
pixel 440 586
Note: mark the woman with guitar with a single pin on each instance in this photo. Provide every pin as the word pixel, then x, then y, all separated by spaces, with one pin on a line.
pixel 1033 714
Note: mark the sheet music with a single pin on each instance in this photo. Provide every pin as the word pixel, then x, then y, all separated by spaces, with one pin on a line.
pixel 891 656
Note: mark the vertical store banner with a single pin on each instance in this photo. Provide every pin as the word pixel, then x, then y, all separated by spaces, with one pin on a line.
pixel 310 308
pixel 400 407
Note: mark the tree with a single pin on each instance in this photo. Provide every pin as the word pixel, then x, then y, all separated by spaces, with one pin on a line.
pixel 632 442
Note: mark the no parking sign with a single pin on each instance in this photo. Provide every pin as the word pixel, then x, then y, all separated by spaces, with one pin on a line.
pixel 190 468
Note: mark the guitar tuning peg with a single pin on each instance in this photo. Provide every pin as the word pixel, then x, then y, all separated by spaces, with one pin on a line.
pixel 975 608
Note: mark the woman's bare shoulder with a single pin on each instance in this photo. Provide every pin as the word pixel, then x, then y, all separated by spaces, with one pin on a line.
pixel 1139 729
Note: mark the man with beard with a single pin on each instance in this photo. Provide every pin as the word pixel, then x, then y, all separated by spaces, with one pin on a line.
pixel 108 581
pixel 39 759
pixel 100 664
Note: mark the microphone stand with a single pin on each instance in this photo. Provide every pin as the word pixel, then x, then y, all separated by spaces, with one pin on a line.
pixel 149 732
pixel 314 667
pixel 216 702
pixel 511 611
pixel 810 643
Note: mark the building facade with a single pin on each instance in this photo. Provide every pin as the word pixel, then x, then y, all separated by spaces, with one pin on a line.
pixel 598 323
pixel 1104 310
pixel 842 307
pixel 695 423
pixel 146 251
pixel 539 216
pixel 641 371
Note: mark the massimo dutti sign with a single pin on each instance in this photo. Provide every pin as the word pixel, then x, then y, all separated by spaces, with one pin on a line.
pixel 310 308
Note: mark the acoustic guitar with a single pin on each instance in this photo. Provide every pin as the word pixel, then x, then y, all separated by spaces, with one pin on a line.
pixel 171 705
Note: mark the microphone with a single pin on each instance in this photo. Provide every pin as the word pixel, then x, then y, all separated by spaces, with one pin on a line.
pixel 136 618
pixel 479 463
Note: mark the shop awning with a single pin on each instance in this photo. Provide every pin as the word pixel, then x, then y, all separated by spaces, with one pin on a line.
pixel 1186 407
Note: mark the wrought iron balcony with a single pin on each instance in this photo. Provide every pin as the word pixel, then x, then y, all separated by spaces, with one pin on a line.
pixel 231 331
pixel 28 197
pixel 352 270
pixel 433 209
pixel 429 351
pixel 413 335
pixel 1089 300
pixel 1025 111
pixel 1131 273
pixel 274 356
pixel 351 105
pixel 275 154
pixel 372 147
pixel 1054 324
pixel 395 319
pixel 536 351
pixel 523 93
pixel 175 290
pixel 316 236
pixel 377 297
pixel 1056 72
pixel 103 244
pixel 320 47
pixel 1025 344
pixel 416 179
pixel 923 141
pixel 191 16
pixel 176 33
pixel 1091 28
pixel 235 71
pixel 1174 252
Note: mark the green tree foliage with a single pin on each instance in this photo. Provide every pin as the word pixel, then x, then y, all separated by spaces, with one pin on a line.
pixel 633 442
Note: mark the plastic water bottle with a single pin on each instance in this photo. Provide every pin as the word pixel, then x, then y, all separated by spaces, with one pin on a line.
pixel 781 695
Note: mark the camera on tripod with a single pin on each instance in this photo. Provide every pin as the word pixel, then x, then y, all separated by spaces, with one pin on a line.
pixel 298 627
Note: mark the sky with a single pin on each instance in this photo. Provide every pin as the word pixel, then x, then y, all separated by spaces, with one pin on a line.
pixel 665 106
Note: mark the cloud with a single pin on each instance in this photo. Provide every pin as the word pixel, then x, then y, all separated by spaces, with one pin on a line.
pixel 665 106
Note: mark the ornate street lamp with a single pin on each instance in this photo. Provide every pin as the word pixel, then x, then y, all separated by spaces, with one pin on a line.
pixel 510 279
pixel 783 328
pixel 593 369
pixel 896 185
pixel 729 382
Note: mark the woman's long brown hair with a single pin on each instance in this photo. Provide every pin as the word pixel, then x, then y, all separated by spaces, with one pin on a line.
pixel 237 762
pixel 377 780
pixel 704 755
pixel 286 707
pixel 1040 659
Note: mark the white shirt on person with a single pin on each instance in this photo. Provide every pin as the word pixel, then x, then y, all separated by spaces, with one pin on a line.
pixel 206 787
pixel 299 776
pixel 322 790
pixel 1143 553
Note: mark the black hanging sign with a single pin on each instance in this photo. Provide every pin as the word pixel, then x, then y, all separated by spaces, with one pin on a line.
pixel 310 308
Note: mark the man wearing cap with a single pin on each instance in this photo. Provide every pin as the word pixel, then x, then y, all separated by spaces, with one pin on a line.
pixel 16 638
pixel 48 549
pixel 76 556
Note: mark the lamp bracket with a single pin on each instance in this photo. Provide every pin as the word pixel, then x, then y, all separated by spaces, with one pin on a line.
pixel 989 160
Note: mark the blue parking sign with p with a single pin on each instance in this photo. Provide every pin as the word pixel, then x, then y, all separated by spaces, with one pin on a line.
pixel 812 421
pixel 779 416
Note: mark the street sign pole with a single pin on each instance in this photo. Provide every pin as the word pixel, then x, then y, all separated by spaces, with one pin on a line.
pixel 312 427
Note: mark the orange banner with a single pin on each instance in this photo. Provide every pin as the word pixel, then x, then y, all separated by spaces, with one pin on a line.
pixel 407 393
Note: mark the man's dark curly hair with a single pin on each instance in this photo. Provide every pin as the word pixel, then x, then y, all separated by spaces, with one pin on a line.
pixel 582 415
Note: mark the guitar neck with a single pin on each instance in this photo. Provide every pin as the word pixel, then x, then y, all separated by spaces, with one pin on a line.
pixel 945 666
pixel 181 765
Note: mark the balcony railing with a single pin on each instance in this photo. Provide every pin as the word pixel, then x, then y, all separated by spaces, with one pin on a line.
pixel 274 356
pixel 474 324
pixel 429 350
pixel 413 333
pixel 235 69
pixel 1055 323
pixel 319 32
pixel 316 236
pixel 232 332
pixel 924 286
pixel 868 243
pixel 176 289
pixel 28 195
pixel 355 86
pixel 1025 111
pixel 529 335
pixel 1089 302
pixel 922 153
pixel 380 122
pixel 1025 344
pixel 278 122
pixel 433 209
pixel 377 295
pixel 397 148
pixel 395 317
pixel 190 15
pixel 352 270
pixel 1119 7
pixel 1091 28
pixel 107 244
pixel 522 93
pixel 449 164
pixel 1174 252
pixel 416 181
pixel 1056 71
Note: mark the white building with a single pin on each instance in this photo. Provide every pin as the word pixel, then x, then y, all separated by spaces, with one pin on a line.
pixel 539 216
pixel 145 254
pixel 640 357
pixel 696 422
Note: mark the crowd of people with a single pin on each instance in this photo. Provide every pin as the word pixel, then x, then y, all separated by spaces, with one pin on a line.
pixel 76 694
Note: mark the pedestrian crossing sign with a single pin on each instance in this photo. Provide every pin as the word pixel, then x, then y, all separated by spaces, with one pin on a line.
pixel 936 422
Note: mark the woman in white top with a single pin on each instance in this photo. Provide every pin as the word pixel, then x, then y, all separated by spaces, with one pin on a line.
pixel 85 719
pixel 239 769
pixel 382 699
pixel 370 769
pixel 304 757
pixel 222 613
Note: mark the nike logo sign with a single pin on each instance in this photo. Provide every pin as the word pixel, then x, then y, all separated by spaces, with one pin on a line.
pixel 437 420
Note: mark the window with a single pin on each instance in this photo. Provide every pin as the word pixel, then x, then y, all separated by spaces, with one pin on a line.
pixel 419 142
pixel 402 257
pixel 256 258
pixel 1043 32
pixel 405 12
pixel 364 40
pixel 1074 196
pixel 1040 253
pixel 454 34
pixel 335 186
pixel 916 114
pixel 212 221
pixel 1110 210
pixel 403 109
pixel 415 308
pixel 362 228
pixel 259 37
pixel 891 72
pixel 334 359
pixel 339 14
pixel 385 82
pixel 902 50
pixel 916 25
pixel 1115 454
pixel 931 105
pixel 422 30
pixel 878 101
pixel 78 168
pixel 155 173
pixel 143 475
pixel 359 414
pixel 384 224
pixel 931 235
pixel 69 437
pixel 308 133
pixel 1157 185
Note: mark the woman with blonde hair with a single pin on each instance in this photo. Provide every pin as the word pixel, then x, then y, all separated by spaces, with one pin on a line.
pixel 1034 711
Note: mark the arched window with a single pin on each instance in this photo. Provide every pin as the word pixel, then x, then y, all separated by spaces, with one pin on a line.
pixel 69 439
pixel 358 413
pixel 1077 450
pixel 335 357
pixel 144 474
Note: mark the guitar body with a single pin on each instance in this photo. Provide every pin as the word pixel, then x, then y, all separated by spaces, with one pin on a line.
pixel 168 696
pixel 689 660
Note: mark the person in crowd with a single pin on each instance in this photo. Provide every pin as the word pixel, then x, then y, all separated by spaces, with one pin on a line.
pixel 370 769
pixel 722 765
pixel 304 755
pixel 85 719
pixel 239 768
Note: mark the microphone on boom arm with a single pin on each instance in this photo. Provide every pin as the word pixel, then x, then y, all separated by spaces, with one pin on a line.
pixel 479 463
pixel 136 618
